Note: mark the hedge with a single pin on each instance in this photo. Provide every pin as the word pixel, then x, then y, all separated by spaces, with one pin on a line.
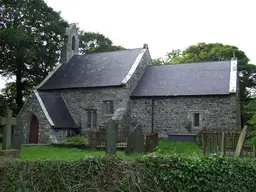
pixel 150 173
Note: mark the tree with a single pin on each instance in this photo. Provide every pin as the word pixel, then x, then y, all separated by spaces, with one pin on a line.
pixel 91 42
pixel 30 42
pixel 218 52
pixel 8 96
pixel 250 110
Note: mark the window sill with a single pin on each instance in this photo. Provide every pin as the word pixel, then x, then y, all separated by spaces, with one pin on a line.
pixel 197 127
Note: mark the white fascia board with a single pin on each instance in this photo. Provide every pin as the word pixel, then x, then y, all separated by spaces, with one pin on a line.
pixel 49 75
pixel 43 108
pixel 134 66
pixel 233 76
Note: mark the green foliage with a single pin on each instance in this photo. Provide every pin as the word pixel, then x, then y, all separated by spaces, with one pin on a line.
pixel 150 173
pixel 76 140
pixel 91 42
pixel 250 109
pixel 251 139
pixel 30 42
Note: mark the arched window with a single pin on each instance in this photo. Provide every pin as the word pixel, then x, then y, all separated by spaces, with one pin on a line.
pixel 73 43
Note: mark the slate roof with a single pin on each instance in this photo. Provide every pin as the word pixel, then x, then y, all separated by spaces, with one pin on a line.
pixel 57 110
pixel 93 70
pixel 206 78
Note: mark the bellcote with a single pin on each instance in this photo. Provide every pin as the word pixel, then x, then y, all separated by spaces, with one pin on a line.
pixel 71 43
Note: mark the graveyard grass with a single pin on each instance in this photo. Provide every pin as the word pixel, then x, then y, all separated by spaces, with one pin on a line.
pixel 54 153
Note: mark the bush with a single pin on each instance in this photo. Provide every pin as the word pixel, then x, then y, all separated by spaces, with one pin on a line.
pixel 174 173
pixel 75 140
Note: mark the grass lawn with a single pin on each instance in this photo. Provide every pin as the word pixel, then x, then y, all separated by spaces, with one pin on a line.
pixel 183 148
pixel 54 153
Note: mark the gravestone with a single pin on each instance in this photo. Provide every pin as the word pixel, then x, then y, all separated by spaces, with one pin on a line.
pixel 7 121
pixel 111 129
pixel 16 142
pixel 151 142
pixel 139 141
pixel 240 143
pixel 135 142
pixel 97 138
pixel 130 143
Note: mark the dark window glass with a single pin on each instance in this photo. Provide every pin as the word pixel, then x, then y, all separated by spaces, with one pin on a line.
pixel 73 43
pixel 108 107
pixel 94 119
pixel 89 118
pixel 196 119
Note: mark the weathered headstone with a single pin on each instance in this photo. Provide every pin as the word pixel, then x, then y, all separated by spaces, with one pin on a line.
pixel 7 121
pixel 111 137
pixel 135 142
pixel 240 143
pixel 16 142
pixel 139 141
pixel 151 142
pixel 97 138
pixel 130 143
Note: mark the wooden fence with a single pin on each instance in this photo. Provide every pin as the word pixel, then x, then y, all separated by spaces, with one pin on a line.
pixel 97 139
pixel 225 142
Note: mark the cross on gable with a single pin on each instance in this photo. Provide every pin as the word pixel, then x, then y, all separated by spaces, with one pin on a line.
pixel 7 121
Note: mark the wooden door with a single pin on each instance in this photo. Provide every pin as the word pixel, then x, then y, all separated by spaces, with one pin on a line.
pixel 33 133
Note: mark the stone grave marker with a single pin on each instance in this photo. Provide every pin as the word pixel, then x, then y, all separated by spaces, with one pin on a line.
pixel 240 143
pixel 97 138
pixel 16 142
pixel 111 129
pixel 7 121
pixel 151 142
pixel 130 143
pixel 139 141
pixel 135 142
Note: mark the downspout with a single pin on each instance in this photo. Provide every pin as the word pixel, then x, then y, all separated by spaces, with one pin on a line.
pixel 152 115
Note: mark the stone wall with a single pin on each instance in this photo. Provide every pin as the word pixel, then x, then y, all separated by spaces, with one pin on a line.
pixel 78 100
pixel 32 107
pixel 174 115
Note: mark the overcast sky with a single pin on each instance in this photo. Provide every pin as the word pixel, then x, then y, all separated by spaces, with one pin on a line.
pixel 165 24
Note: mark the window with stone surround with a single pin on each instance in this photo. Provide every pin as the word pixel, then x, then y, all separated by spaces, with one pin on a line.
pixel 91 118
pixel 73 43
pixel 108 107
pixel 62 134
pixel 196 119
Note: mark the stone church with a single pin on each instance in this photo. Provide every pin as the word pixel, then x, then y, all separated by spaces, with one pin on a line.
pixel 85 90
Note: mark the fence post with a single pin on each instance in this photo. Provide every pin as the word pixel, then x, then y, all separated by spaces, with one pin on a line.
pixel 223 143
pixel 203 142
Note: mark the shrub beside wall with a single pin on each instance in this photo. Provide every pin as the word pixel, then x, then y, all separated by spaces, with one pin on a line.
pixel 146 174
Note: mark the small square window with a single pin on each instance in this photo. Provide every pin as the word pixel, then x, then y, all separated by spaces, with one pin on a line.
pixel 108 107
pixel 196 119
